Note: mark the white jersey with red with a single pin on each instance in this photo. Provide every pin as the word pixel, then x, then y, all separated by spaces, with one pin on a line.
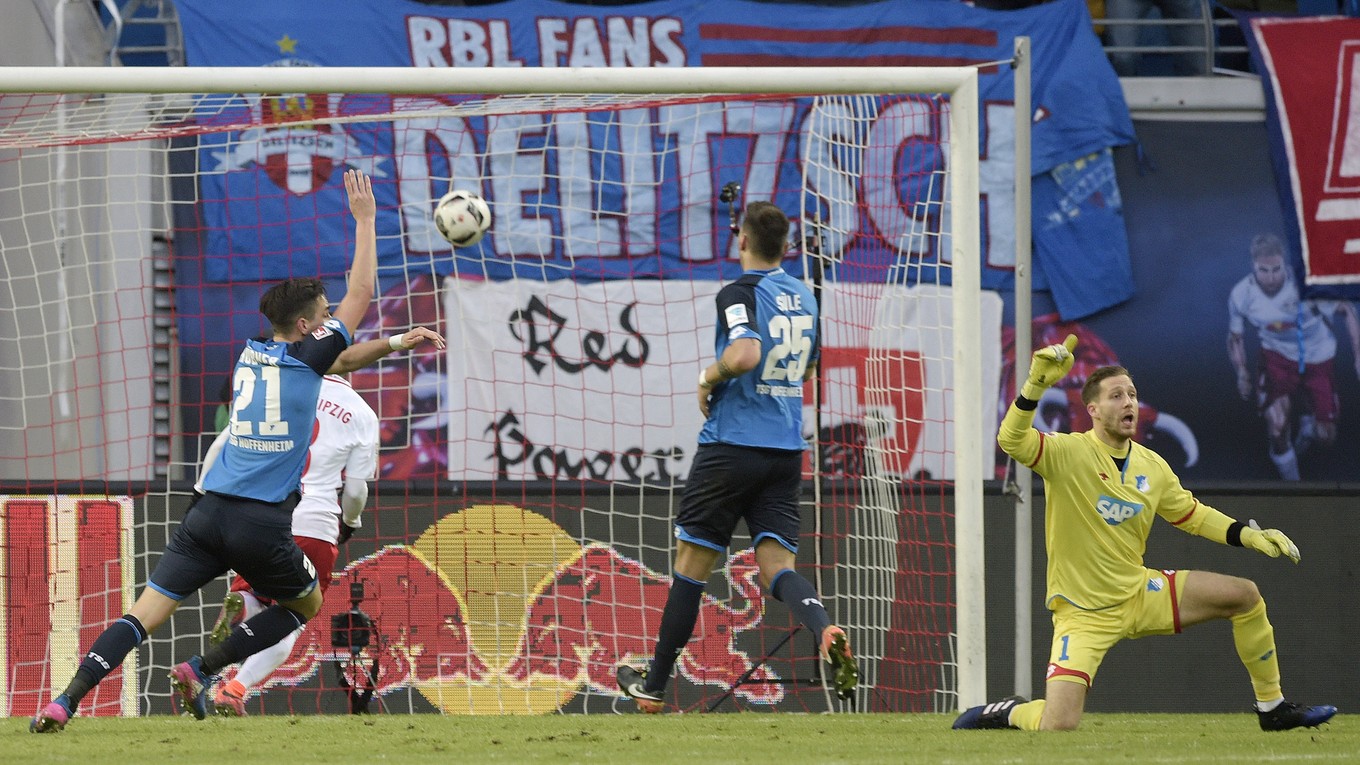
pixel 1283 328
pixel 346 445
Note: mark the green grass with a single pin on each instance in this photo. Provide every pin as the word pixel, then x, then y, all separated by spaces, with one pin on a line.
pixel 693 739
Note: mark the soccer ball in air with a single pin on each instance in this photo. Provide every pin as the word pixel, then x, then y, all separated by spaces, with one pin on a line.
pixel 462 217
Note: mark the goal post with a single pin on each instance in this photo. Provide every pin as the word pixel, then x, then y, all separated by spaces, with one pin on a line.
pixel 120 304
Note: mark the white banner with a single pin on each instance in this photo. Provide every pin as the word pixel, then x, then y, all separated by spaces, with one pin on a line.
pixel 563 380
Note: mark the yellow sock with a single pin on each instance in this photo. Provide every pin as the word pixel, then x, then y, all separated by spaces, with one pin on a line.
pixel 1255 641
pixel 1027 716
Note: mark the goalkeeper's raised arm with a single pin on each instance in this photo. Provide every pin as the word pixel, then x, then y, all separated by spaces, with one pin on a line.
pixel 1049 365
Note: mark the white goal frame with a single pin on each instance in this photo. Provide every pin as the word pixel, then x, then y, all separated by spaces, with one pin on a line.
pixel 970 450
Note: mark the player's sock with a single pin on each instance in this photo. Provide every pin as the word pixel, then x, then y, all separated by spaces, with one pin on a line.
pixel 1303 440
pixel 1255 641
pixel 1027 716
pixel 796 592
pixel 1267 706
pixel 108 651
pixel 259 666
pixel 235 687
pixel 1287 463
pixel 677 625
pixel 253 604
pixel 252 636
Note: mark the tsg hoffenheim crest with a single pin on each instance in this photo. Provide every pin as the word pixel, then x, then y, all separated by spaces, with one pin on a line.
pixel 296 148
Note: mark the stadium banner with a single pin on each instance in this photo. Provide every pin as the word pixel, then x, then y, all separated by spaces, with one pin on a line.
pixel 571 384
pixel 272 198
pixel 66 572
pixel 1310 69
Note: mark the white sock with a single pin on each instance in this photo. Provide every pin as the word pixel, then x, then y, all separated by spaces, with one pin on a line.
pixel 253 605
pixel 1287 464
pixel 259 666
pixel 1266 706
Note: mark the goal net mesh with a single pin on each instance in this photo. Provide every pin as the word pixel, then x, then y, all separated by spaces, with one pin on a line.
pixel 518 539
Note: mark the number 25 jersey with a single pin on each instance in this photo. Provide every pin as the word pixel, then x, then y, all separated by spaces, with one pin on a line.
pixel 764 407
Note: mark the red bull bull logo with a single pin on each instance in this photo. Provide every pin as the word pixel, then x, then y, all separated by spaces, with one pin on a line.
pixel 603 609
pixel 497 610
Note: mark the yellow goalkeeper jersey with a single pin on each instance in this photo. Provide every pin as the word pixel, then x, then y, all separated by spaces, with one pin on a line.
pixel 1097 517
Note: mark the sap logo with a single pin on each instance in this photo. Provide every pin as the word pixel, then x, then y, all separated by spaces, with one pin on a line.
pixel 1115 511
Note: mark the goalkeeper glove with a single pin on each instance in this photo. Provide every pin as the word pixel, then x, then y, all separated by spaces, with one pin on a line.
pixel 1270 542
pixel 1050 364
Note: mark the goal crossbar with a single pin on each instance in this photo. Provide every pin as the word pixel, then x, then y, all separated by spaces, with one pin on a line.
pixel 792 80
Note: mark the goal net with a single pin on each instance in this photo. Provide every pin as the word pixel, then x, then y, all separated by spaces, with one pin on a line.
pixel 517 543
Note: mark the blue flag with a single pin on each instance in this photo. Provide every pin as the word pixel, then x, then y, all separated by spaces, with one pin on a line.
pixel 579 207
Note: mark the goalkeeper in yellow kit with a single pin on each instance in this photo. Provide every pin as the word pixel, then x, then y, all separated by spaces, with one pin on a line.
pixel 1101 492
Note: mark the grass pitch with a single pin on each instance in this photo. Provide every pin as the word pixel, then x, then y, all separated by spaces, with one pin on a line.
pixel 691 739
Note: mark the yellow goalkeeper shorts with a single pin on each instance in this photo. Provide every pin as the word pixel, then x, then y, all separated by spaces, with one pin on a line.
pixel 1081 638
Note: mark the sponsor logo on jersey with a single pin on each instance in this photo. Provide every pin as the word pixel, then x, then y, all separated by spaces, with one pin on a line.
pixel 736 314
pixel 1155 584
pixel 322 332
pixel 1116 511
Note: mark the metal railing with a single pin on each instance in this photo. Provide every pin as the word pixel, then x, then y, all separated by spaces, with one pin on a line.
pixel 1206 55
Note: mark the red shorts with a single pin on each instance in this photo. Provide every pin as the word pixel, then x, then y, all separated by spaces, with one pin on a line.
pixel 1282 379
pixel 321 553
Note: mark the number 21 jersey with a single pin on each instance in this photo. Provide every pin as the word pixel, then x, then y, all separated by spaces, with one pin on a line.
pixel 273 414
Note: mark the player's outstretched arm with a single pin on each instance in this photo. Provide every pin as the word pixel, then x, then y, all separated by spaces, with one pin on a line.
pixel 363 274
pixel 1205 521
pixel 1270 542
pixel 360 355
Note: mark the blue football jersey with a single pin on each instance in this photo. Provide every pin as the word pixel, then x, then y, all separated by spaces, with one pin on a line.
pixel 273 414
pixel 764 407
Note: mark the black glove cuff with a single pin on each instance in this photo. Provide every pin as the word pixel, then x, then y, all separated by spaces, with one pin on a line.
pixel 1235 533
pixel 1025 404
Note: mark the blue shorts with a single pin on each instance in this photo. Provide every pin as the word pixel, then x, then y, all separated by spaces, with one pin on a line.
pixel 731 483
pixel 255 539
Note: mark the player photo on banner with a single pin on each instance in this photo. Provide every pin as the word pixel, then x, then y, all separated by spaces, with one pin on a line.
pixel 597 381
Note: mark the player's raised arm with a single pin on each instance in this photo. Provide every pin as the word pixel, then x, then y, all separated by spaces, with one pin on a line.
pixel 363 274
pixel 1050 364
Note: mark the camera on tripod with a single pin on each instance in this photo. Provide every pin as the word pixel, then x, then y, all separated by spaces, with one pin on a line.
pixel 352 630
